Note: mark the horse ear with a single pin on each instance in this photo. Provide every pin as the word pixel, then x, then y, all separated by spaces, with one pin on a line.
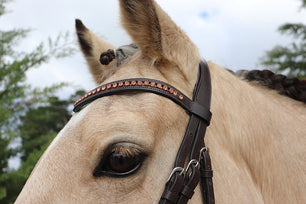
pixel 92 46
pixel 158 37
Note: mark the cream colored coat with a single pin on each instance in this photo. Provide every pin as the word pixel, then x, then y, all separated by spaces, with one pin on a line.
pixel 256 137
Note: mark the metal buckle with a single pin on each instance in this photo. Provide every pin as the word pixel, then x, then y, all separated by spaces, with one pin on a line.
pixel 176 169
pixel 193 161
pixel 204 149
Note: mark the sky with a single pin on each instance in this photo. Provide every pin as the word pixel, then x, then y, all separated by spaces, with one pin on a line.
pixel 232 33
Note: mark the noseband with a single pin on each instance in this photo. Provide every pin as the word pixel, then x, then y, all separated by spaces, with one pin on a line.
pixel 192 163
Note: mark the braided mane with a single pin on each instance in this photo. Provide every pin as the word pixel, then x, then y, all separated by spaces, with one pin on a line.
pixel 289 86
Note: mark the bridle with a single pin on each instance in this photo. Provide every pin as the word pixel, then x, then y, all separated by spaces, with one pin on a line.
pixel 187 172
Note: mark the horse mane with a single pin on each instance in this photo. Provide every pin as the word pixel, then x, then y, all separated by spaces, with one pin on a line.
pixel 288 86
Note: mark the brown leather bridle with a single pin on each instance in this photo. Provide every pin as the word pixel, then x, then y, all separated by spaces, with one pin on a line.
pixel 187 172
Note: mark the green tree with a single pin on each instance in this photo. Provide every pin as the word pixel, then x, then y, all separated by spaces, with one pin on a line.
pixel 22 106
pixel 291 58
pixel 37 129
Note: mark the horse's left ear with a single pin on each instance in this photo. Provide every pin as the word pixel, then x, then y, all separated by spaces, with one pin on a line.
pixel 158 37
pixel 92 46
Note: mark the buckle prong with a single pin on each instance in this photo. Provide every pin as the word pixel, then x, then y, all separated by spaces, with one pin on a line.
pixel 204 149
pixel 176 169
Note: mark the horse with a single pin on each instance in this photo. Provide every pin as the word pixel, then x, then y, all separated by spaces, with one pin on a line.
pixel 256 137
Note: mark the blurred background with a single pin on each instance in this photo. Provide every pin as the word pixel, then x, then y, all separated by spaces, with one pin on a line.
pixel 42 70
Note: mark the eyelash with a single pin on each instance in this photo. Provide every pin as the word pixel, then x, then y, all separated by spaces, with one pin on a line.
pixel 121 161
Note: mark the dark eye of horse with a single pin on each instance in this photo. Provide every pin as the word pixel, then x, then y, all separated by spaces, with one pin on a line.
pixel 121 161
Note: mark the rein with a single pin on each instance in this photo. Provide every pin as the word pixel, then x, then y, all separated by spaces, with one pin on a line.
pixel 192 164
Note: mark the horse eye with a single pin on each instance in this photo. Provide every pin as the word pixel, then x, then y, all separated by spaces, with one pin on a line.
pixel 121 161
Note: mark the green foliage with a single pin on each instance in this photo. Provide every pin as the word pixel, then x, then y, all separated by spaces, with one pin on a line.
pixel 298 30
pixel 37 129
pixel 29 117
pixel 290 58
pixel 40 121
pixel 2 9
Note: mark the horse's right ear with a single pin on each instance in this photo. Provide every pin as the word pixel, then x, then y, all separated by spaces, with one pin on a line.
pixel 158 37
pixel 92 46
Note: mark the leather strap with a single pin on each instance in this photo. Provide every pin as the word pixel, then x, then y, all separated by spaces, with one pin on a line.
pixel 206 179
pixel 174 187
pixel 144 85
pixel 191 182
pixel 193 140
pixel 180 186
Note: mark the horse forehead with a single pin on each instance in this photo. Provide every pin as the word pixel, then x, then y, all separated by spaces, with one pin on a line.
pixel 132 113
pixel 119 113
pixel 125 112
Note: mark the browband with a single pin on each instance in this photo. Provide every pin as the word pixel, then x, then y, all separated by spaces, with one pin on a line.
pixel 145 85
pixel 185 176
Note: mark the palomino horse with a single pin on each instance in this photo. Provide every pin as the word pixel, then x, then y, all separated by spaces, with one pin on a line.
pixel 256 137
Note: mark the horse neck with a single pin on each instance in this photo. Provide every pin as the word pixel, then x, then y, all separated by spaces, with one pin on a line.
pixel 263 132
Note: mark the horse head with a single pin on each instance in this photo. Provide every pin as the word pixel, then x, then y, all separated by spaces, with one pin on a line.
pixel 121 148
